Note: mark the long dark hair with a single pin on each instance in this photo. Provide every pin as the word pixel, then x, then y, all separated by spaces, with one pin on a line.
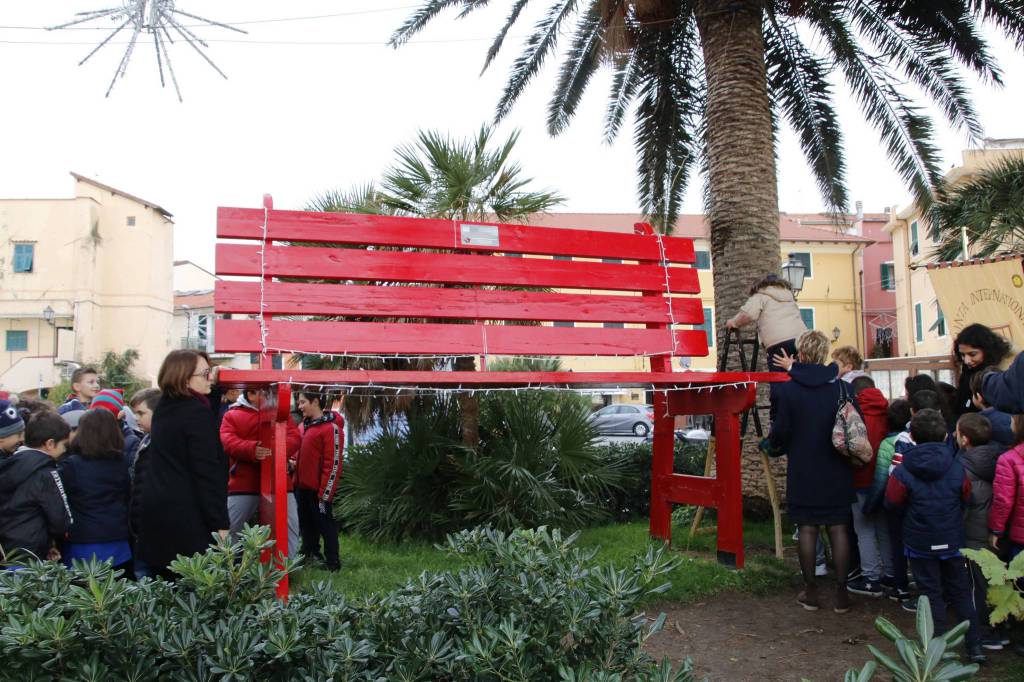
pixel 99 435
pixel 770 280
pixel 993 347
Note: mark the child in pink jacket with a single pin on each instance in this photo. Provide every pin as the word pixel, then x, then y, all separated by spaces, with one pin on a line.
pixel 1006 517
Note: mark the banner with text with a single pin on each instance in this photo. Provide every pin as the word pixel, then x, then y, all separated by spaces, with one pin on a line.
pixel 991 293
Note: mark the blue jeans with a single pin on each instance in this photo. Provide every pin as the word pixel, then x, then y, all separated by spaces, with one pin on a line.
pixel 141 569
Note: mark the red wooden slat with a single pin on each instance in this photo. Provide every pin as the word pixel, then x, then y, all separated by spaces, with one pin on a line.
pixel 243 336
pixel 298 298
pixel 361 229
pixel 684 489
pixel 358 377
pixel 314 263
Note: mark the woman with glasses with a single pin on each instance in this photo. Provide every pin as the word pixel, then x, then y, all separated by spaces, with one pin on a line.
pixel 185 496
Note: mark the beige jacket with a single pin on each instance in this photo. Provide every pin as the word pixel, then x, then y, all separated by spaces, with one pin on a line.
pixel 777 316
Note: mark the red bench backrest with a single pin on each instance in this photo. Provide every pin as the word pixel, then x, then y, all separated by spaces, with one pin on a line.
pixel 448 271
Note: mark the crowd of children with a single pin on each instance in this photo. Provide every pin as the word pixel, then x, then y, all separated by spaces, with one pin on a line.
pixel 73 477
pixel 938 483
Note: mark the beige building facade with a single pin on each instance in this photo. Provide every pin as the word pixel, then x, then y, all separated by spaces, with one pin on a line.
pixel 80 277
pixel 921 322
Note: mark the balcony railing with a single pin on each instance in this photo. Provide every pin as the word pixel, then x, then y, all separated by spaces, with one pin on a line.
pixel 890 373
pixel 194 343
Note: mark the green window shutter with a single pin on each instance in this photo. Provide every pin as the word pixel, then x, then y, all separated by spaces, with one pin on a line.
pixel 918 323
pixel 887 276
pixel 703 261
pixel 24 257
pixel 709 326
pixel 16 341
pixel 808 316
pixel 915 246
pixel 940 322
pixel 805 258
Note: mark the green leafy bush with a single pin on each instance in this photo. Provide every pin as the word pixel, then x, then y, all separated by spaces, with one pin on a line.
pixel 537 464
pixel 929 658
pixel 530 606
pixel 1004 591
pixel 632 499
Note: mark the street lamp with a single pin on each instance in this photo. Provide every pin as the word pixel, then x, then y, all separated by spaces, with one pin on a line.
pixel 793 271
pixel 49 315
pixel 835 334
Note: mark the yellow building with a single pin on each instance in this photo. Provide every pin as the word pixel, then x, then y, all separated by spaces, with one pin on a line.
pixel 80 277
pixel 922 327
pixel 830 300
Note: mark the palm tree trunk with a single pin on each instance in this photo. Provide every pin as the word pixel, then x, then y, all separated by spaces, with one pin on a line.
pixel 469 405
pixel 743 205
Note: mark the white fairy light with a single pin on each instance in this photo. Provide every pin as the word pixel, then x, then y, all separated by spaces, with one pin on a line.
pixel 158 18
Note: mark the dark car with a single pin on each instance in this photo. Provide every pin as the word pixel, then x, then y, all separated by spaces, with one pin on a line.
pixel 623 418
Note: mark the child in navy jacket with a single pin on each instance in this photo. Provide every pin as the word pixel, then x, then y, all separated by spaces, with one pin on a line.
pixel 932 488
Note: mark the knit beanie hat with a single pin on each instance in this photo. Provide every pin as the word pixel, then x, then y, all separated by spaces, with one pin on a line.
pixel 10 419
pixel 109 399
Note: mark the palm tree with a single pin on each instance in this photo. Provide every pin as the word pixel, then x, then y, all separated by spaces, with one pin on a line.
pixel 709 82
pixel 441 177
pixel 989 209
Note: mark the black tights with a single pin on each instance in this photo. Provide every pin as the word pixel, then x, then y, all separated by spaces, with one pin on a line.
pixel 840 542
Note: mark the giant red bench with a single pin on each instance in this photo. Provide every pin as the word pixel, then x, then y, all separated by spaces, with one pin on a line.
pixel 381 271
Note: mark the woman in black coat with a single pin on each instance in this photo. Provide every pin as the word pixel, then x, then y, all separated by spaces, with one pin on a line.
pixel 184 499
pixel 819 481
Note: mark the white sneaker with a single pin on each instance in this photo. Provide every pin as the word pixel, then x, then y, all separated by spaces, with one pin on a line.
pixel 820 570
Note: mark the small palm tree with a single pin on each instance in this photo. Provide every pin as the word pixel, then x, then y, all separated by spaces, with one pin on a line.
pixel 989 208
pixel 442 177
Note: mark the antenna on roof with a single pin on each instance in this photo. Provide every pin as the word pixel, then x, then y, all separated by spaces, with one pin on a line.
pixel 157 18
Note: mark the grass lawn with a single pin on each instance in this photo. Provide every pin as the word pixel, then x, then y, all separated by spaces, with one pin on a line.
pixel 373 566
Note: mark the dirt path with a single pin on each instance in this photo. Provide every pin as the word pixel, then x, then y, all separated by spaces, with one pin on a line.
pixel 737 637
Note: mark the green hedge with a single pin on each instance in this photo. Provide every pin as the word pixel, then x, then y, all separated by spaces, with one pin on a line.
pixel 530 606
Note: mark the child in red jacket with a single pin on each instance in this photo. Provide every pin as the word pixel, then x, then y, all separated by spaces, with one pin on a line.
pixel 317 473
pixel 240 437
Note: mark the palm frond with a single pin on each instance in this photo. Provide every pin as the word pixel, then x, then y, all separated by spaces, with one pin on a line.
pixel 625 80
pixel 670 100
pixel 539 45
pixel 926 60
pixel 990 207
pixel 361 199
pixel 798 85
pixel 580 63
pixel 499 40
pixel 905 130
pixel 1007 15
pixel 422 16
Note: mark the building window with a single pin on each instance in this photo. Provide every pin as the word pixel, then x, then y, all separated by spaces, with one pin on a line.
pixel 254 359
pixel 24 257
pixel 888 276
pixel 513 255
pixel 563 323
pixel 807 314
pixel 17 341
pixel 940 320
pixel 563 257
pixel 131 221
pixel 915 244
pixel 277 361
pixel 918 323
pixel 614 325
pixel 611 260
pixel 709 326
pixel 703 261
pixel 805 259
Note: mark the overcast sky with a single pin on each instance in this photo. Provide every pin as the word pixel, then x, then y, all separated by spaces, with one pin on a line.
pixel 295 118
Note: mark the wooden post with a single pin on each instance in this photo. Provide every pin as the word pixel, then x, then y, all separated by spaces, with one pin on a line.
pixel 698 518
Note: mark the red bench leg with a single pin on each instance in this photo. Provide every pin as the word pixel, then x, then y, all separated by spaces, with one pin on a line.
pixel 274 484
pixel 730 504
pixel 662 461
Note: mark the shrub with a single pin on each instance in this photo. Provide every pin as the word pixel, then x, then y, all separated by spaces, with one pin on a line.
pixel 632 499
pixel 530 606
pixel 1004 594
pixel 536 464
pixel 928 658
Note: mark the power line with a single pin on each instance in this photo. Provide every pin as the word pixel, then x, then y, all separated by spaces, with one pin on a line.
pixel 379 10
pixel 262 42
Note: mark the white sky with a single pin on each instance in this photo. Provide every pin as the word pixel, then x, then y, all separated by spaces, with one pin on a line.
pixel 293 120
